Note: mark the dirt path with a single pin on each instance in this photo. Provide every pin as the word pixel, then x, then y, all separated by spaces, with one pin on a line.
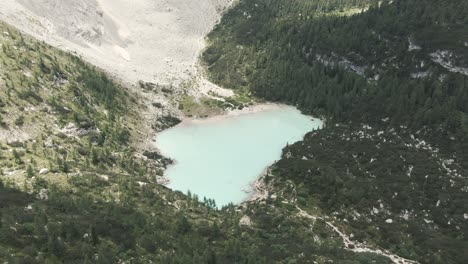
pixel 262 192
pixel 356 246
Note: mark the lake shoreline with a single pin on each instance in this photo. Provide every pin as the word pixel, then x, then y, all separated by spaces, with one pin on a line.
pixel 188 121
pixel 253 109
pixel 257 189
pixel 260 189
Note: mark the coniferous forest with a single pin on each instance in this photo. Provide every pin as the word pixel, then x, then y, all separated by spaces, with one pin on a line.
pixel 83 194
pixel 343 65
pixel 389 169
pixel 396 141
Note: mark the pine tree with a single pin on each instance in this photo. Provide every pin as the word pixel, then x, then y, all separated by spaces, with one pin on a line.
pixel 30 171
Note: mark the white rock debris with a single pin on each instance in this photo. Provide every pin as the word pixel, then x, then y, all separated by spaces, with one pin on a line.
pixel 412 45
pixel 43 194
pixel 445 59
pixel 245 221
pixel 126 38
pixel 141 184
pixel 43 171
pixel 410 171
pixel 103 177
pixel 405 215
pixel 356 246
pixel 420 75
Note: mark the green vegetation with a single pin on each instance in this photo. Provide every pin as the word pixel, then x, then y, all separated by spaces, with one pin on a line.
pixel 282 59
pixel 395 139
pixel 202 108
pixel 69 112
pixel 151 223
pixel 365 176
pixel 389 167
pixel 213 104
pixel 74 190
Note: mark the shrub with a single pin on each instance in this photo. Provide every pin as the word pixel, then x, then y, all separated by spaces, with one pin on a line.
pixel 19 121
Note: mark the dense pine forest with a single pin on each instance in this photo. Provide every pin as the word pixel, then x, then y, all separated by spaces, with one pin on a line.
pixel 293 53
pixel 78 191
pixel 391 163
pixel 389 169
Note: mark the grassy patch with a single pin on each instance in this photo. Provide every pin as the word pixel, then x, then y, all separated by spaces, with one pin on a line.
pixel 203 108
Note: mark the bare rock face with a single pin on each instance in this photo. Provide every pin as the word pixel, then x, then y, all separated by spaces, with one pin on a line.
pixel 43 194
pixel 76 20
pixel 245 221
pixel 155 41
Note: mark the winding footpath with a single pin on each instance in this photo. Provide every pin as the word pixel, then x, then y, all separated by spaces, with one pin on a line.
pixel 356 246
pixel 262 191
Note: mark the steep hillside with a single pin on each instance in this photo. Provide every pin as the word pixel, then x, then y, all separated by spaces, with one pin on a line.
pixel 57 110
pixel 149 40
pixel 390 78
pixel 384 182
pixel 341 64
pixel 74 187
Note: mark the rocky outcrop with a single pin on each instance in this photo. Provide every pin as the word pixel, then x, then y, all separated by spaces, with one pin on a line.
pixel 165 122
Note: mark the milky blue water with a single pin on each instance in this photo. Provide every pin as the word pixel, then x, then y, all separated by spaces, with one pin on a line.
pixel 220 158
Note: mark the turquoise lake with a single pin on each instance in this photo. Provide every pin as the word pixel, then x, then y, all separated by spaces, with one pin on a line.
pixel 220 157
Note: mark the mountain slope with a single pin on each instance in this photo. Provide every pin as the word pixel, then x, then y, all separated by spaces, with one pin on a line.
pixel 389 78
pixel 151 41
pixel 386 176
pixel 75 187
